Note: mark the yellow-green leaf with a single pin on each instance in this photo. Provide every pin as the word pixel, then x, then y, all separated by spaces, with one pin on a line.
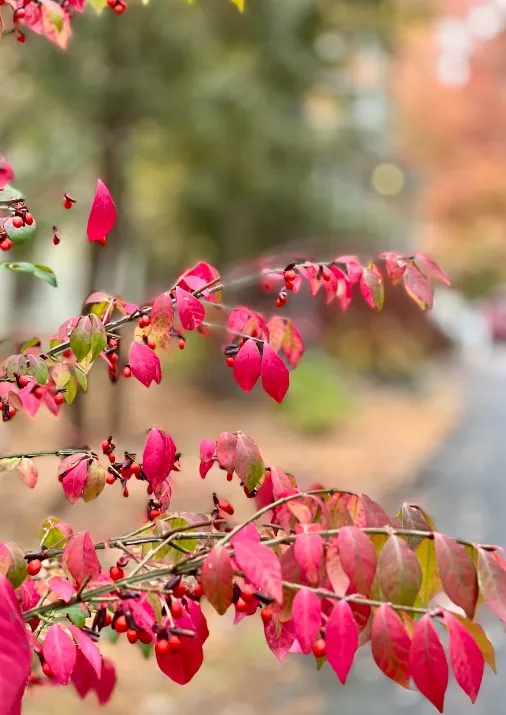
pixel 431 583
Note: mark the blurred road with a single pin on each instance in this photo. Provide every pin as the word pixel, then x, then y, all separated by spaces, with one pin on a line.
pixel 463 488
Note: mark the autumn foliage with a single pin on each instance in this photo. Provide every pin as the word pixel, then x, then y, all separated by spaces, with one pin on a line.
pixel 323 572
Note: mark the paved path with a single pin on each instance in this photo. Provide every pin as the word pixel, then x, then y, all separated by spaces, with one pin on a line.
pixel 463 488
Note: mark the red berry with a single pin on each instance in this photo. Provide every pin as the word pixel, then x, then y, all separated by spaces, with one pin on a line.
pixel 197 590
pixel 21 37
pixel 121 625
pixel 3 245
pixel 59 399
pixel 19 14
pixel 230 361
pixel 67 203
pixel 132 635
pixel 181 343
pixel 12 412
pixel 127 372
pixel 154 514
pixel 23 381
pixel 33 567
pixel 34 623
pixel 180 590
pixel 38 392
pixel 151 344
pixel 149 489
pixel 105 445
pixel 226 507
pixel 17 222
pixel 266 614
pixel 280 301
pixel 326 274
pixel 290 276
pixel 111 457
pixel 230 476
pixel 319 648
pixel 144 321
pixel 145 637
pixel 111 3
pixel 135 468
pixel 241 606
pixel 116 573
pixel 162 647
pixel 102 241
pixel 120 8
pixel 28 219
pixel 56 240
pixel 108 618
pixel 46 669
pixel 174 644
pixel 110 479
pixel 247 593
pixel 176 609
pixel 289 285
pixel 67 353
pixel 126 493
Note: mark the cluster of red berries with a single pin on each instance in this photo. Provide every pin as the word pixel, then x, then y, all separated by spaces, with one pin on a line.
pixel 119 6
pixel 123 470
pixel 8 410
pixel 112 354
pixel 19 14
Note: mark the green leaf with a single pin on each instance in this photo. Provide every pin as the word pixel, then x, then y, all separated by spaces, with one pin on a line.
pixel 52 534
pixel 9 463
pixel 76 614
pixel 431 583
pixel 21 234
pixel 146 649
pixel 97 5
pixel 239 4
pixel 70 391
pixel 168 552
pixel 33 342
pixel 31 365
pixel 81 377
pixel 12 563
pixel 60 374
pixel 38 270
pixel 249 464
pixel 399 574
pixel 9 193
pixel 98 336
pixel 95 481
pixel 80 339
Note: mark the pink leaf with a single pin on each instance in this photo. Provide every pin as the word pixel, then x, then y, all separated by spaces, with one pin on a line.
pixel 102 215
pixel 247 533
pixel 59 652
pixel 84 679
pixel 275 375
pixel 78 5
pixel 62 587
pixel 341 639
pixel 105 686
pixel 6 172
pixel 162 314
pixel 163 493
pixel 465 656
pixel 158 456
pixel 80 559
pixel 190 309
pixel 279 637
pixel 15 655
pixel 427 662
pixel 74 481
pixel 358 558
pixel 225 450
pixel 207 447
pixel 144 364
pixel 371 287
pixel 418 287
pixel 182 666
pixel 390 645
pixel 28 472
pixel 430 268
pixel 247 365
pixel 261 566
pixel 199 620
pixel 306 615
pixel 87 648
pixel 308 550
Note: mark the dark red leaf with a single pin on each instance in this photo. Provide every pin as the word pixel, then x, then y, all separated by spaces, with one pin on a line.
pixel 399 573
pixel 275 375
pixel 427 662
pixel 457 573
pixel 341 637
pixel 218 579
pixel 390 645
pixel 279 637
pixel 261 566
pixel 306 616
pixel 182 666
pixel 80 559
pixel 308 550
pixel 358 558
pixel 247 365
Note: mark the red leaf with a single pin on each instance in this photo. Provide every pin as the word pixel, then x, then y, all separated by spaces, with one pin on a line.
pixel 207 447
pixel 492 580
pixel 62 587
pixel 430 268
pixel 465 656
pixel 308 550
pixel 102 215
pixel 59 652
pixel 307 617
pixel 261 566
pixel 247 365
pixel 341 638
pixel 144 364
pixel 457 573
pixel 337 577
pixel 158 456
pixel 218 579
pixel 162 314
pixel 105 686
pixel 390 645
pixel 199 620
pixel 190 309
pixel 399 572
pixel 249 464
pixel 275 375
pixel 15 655
pixel 225 450
pixel 182 666
pixel 87 648
pixel 163 493
pixel 395 265
pixel 293 345
pixel 6 172
pixel 74 481
pixel 279 637
pixel 418 287
pixel 78 5
pixel 84 678
pixel 80 559
pixel 371 287
pixel 358 558
pixel 427 662
pixel 353 267
pixel 28 472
